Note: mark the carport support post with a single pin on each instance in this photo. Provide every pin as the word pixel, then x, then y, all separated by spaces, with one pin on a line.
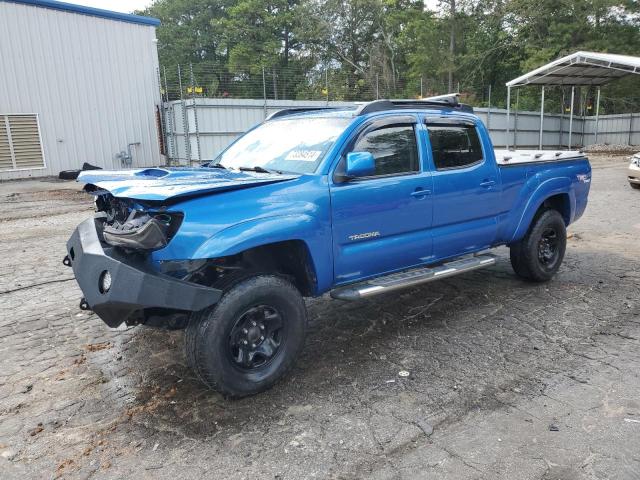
pixel 541 118
pixel 515 120
pixel 573 93
pixel 583 113
pixel 597 114
pixel 508 112
pixel 560 132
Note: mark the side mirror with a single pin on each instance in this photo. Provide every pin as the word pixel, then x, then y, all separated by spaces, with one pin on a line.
pixel 360 164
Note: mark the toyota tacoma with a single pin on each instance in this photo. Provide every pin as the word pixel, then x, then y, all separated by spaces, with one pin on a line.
pixel 355 202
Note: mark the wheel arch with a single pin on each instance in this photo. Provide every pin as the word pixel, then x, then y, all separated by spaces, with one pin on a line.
pixel 560 202
pixel 553 194
pixel 290 258
pixel 279 237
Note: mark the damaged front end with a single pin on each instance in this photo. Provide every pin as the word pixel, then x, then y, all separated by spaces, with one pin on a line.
pixel 135 226
pixel 110 257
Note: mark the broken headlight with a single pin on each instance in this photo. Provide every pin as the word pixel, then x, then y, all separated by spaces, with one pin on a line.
pixel 142 230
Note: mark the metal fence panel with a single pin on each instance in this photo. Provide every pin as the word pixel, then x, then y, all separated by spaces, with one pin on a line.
pixel 213 123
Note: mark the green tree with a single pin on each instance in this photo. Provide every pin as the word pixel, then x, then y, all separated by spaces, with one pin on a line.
pixel 186 33
pixel 390 48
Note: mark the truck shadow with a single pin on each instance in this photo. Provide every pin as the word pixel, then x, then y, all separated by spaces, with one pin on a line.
pixel 463 341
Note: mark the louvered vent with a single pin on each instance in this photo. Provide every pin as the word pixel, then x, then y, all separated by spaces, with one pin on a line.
pixel 6 158
pixel 20 146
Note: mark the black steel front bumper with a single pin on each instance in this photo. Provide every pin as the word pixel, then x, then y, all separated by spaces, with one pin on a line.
pixel 134 287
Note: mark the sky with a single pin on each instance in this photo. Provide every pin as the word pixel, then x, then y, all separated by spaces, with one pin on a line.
pixel 125 6
pixel 128 6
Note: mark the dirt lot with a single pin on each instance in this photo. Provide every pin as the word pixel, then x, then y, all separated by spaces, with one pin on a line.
pixel 508 380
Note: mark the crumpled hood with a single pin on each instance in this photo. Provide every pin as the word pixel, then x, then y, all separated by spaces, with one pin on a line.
pixel 158 184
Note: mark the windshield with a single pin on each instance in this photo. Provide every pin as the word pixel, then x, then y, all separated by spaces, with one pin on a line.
pixel 290 145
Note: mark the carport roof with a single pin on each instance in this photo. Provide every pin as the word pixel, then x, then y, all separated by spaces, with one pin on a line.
pixel 581 68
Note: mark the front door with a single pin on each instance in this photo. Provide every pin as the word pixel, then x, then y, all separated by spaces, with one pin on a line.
pixel 381 222
pixel 466 189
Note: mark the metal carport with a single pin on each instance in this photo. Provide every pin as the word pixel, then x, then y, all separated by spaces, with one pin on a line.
pixel 575 70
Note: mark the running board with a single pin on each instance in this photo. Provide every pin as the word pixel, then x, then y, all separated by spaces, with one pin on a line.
pixel 410 278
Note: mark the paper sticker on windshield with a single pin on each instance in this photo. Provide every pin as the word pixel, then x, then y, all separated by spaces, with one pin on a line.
pixel 303 155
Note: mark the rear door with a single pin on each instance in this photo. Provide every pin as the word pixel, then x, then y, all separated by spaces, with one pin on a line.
pixel 466 187
pixel 381 222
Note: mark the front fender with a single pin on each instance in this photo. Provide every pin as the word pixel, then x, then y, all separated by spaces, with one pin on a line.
pixel 546 189
pixel 264 231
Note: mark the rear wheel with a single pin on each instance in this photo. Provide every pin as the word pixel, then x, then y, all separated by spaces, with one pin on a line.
pixel 538 256
pixel 250 339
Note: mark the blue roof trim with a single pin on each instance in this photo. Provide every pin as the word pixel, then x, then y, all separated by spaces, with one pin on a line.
pixel 94 12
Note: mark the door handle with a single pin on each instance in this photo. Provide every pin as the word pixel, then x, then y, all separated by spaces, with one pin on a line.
pixel 420 192
pixel 487 183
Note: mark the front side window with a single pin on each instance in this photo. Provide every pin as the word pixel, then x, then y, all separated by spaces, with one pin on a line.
pixel 394 149
pixel 454 146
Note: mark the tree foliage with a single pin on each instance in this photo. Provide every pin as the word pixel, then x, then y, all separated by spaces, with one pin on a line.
pixel 359 49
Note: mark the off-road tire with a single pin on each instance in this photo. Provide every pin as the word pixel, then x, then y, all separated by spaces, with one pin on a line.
pixel 207 335
pixel 526 253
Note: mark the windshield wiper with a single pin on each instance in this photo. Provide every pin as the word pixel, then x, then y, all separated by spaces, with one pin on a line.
pixel 258 169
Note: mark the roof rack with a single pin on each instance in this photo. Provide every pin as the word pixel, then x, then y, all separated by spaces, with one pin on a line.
pixel 449 101
pixel 291 111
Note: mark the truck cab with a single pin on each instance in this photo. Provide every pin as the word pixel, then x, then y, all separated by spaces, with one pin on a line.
pixel 434 193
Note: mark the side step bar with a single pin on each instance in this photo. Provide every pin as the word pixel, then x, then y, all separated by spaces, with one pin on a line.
pixel 410 278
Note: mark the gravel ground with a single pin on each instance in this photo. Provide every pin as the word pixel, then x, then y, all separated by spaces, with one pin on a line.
pixel 507 380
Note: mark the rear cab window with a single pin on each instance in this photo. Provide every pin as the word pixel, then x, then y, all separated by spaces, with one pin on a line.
pixel 454 145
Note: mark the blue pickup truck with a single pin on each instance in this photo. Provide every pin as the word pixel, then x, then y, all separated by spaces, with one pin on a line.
pixel 352 201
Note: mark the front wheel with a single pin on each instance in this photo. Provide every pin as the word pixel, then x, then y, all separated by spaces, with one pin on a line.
pixel 635 186
pixel 538 256
pixel 250 339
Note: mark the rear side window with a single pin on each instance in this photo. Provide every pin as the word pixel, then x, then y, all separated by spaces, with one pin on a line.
pixel 454 146
pixel 394 148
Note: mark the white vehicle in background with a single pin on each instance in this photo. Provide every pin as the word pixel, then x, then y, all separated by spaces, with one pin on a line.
pixel 633 173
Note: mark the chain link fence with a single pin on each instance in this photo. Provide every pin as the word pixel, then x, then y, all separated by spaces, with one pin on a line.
pixel 328 84
pixel 206 106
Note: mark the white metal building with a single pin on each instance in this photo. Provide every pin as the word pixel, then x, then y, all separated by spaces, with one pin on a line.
pixel 77 85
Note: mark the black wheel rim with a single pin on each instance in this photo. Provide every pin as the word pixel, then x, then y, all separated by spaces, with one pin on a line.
pixel 548 247
pixel 256 337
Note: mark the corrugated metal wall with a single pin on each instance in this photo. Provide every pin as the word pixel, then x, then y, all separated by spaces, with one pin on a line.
pixel 220 121
pixel 92 81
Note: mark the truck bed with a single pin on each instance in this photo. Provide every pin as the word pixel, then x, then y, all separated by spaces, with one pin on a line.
pixel 517 157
